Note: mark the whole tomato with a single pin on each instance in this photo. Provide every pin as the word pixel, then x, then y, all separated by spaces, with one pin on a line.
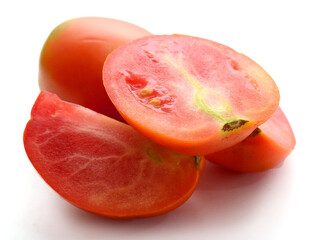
pixel 72 58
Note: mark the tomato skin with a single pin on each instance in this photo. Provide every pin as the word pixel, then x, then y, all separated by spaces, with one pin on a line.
pixel 72 58
pixel 260 151
pixel 104 166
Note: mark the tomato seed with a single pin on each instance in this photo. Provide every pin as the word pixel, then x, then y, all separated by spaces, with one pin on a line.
pixel 155 102
pixel 146 92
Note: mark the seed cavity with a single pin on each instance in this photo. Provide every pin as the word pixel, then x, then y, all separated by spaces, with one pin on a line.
pixel 151 56
pixel 135 81
pixel 230 126
pixel 234 65
pixel 146 92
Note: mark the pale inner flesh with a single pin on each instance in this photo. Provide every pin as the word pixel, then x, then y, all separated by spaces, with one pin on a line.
pixel 200 86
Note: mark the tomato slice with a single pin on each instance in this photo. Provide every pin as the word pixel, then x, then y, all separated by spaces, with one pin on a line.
pixel 264 149
pixel 105 166
pixel 189 94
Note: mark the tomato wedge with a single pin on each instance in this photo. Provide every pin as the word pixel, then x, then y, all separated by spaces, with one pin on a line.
pixel 264 149
pixel 192 95
pixel 105 166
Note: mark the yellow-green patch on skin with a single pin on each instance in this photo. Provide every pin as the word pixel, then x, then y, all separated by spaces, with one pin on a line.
pixel 180 155
pixel 59 29
pixel 56 32
pixel 153 155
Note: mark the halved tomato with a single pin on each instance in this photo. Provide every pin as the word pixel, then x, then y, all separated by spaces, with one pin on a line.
pixel 189 94
pixel 105 166
pixel 265 148
pixel 72 59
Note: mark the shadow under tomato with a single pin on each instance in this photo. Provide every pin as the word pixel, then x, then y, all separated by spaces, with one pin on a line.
pixel 223 199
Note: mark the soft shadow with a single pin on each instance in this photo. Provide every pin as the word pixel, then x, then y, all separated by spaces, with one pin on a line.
pixel 222 199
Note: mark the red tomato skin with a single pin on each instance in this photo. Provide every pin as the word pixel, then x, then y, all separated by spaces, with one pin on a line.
pixel 100 165
pixel 258 152
pixel 72 58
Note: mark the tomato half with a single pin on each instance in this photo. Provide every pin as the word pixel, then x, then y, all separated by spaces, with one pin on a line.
pixel 264 149
pixel 72 59
pixel 105 166
pixel 189 94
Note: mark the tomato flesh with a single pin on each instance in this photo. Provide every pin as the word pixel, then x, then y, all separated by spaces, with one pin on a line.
pixel 105 166
pixel 192 95
pixel 72 59
pixel 264 149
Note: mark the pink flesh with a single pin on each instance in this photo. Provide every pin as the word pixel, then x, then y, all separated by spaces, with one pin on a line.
pixel 279 130
pixel 102 165
pixel 161 64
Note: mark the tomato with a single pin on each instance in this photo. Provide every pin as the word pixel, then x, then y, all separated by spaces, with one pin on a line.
pixel 192 95
pixel 105 166
pixel 264 149
pixel 72 58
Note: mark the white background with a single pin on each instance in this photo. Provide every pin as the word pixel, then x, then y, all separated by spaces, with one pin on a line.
pixel 272 205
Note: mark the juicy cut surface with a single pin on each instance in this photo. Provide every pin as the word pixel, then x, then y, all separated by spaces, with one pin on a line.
pixel 104 166
pixel 187 88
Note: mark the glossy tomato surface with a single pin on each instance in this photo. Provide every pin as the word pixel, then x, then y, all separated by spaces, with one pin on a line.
pixel 72 58
pixel 264 149
pixel 105 166
pixel 192 95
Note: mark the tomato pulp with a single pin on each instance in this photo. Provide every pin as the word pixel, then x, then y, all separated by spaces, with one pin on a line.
pixel 192 95
pixel 265 148
pixel 72 59
pixel 105 166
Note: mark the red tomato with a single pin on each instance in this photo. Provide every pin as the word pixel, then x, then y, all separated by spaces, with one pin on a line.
pixel 72 58
pixel 265 148
pixel 105 166
pixel 191 95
